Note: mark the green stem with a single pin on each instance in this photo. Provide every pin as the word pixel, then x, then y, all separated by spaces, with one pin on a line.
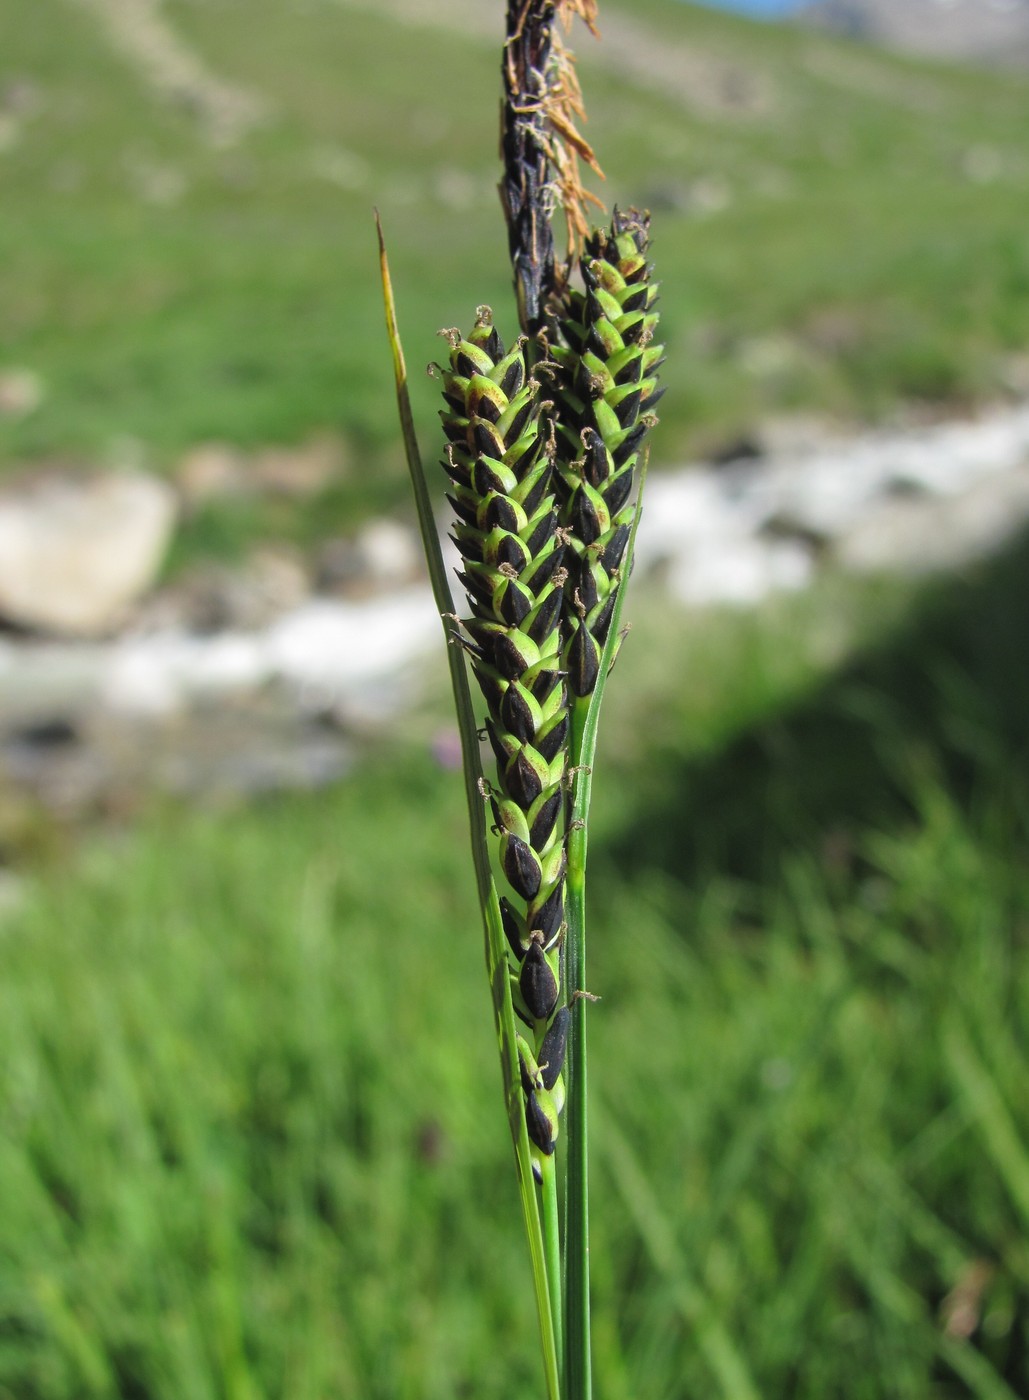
pixel 577 1365
pixel 552 1248
pixel 585 715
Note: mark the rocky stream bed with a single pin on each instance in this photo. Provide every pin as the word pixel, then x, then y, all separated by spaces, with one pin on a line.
pixel 261 678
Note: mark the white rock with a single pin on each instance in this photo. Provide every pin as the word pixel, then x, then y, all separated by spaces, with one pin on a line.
pixel 333 648
pixel 75 551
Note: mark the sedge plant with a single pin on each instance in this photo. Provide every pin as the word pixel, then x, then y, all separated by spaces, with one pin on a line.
pixel 544 453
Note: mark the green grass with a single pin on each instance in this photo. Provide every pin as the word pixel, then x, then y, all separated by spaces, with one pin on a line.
pixel 253 1139
pixel 855 262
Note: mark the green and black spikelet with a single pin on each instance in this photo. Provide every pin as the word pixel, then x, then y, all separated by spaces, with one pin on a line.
pixel 500 463
pixel 605 391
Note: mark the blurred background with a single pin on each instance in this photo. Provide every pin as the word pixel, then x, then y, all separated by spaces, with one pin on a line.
pixel 251 1135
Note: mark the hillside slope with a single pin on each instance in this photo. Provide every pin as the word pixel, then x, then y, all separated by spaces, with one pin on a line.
pixel 994 31
pixel 187 250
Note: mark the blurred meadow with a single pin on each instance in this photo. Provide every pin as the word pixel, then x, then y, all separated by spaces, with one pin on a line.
pixel 252 1142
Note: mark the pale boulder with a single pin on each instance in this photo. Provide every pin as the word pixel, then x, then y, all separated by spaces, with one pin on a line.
pixel 76 551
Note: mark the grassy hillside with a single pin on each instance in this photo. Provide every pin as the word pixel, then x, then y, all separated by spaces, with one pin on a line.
pixel 835 229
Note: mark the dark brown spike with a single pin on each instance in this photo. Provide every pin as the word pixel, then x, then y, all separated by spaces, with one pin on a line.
pixel 583 661
pixel 518 422
pixel 543 684
pixel 573 334
pixel 462 511
pixel 494 346
pixel 618 490
pixel 488 442
pixel 501 514
pixel 628 408
pixel 522 867
pixel 550 744
pixel 602 622
pixel 522 781
pixel 483 634
pixel 476 586
pixel 523 463
pixel 595 343
pixel 632 333
pixel 513 379
pixel 515 603
pixel 538 985
pixel 584 384
pixel 512 552
pixel 516 715
pixel 537 491
pixel 511 660
pixel 544 822
pixel 487 409
pixel 586 522
pixel 458 471
pixel 539 1126
pixel 468 547
pixel 631 372
pixel 554 1047
pixel 544 528
pixel 631 443
pixel 549 917
pixel 485 479
pixel 596 467
pixel 615 548
pixel 545 619
pixel 544 571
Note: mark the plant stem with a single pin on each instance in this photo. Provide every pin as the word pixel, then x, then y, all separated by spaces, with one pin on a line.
pixel 585 716
pixel 577 1367
pixel 552 1249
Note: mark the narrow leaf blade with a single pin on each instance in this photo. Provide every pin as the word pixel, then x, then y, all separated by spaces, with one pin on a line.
pixel 496 946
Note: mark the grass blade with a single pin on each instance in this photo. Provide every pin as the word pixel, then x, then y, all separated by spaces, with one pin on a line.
pixel 496 952
pixel 990 1115
pixel 726 1363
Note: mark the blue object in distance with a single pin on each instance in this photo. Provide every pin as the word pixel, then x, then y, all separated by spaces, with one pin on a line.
pixel 757 9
